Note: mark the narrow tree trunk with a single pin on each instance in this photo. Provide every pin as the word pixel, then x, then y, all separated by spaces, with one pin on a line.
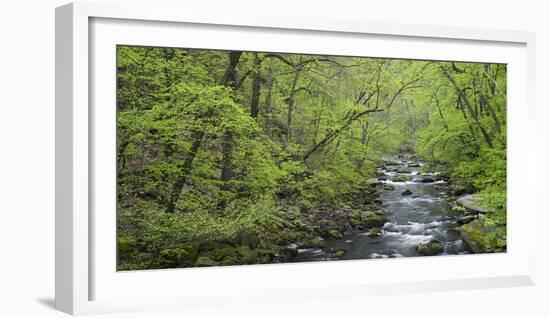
pixel 290 103
pixel 230 76
pixel 229 80
pixel 227 149
pixel 268 116
pixel 185 171
pixel 364 129
pixel 484 101
pixel 256 84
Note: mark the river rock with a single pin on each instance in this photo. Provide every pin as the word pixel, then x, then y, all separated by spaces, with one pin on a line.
pixel 374 232
pixel 292 249
pixel 317 242
pixel 401 178
pixel 472 203
pixel 367 219
pixel 461 189
pixel 431 248
pixel 339 252
pixel 391 163
pixel 474 235
pixel 424 179
pixel 407 192
pixel 335 234
pixel 388 187
pixel 466 219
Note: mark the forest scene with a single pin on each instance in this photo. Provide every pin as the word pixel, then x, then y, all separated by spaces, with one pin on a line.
pixel 235 157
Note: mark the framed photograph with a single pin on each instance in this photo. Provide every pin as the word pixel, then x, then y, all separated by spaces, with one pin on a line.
pixel 221 159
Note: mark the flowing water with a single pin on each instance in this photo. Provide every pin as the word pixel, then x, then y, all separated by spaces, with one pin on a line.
pixel 420 217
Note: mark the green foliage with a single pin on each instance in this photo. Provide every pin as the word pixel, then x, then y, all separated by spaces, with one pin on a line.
pixel 196 166
pixel 466 135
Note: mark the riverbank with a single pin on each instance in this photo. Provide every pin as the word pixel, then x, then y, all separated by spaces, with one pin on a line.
pixel 406 210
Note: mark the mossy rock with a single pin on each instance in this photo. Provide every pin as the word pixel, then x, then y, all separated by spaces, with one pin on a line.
pixel 367 219
pixel 372 181
pixel 475 236
pixel 388 187
pixel 430 248
pixel 401 178
pixel 317 242
pixel 465 219
pixel 473 203
pixel 246 255
pixel 374 232
pixel 334 234
pixel 229 260
pixel 339 253
pixel 407 192
pixel 204 261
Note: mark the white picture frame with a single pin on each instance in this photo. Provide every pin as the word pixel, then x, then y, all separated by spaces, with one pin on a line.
pixel 87 282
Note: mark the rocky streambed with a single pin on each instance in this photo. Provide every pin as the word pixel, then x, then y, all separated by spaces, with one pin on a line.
pixel 401 212
pixel 416 219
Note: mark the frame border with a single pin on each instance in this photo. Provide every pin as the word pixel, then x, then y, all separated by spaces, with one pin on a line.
pixel 72 243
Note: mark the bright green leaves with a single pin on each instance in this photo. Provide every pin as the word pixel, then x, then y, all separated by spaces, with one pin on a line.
pixel 204 158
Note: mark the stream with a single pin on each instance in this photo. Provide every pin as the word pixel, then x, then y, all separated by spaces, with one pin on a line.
pixel 420 217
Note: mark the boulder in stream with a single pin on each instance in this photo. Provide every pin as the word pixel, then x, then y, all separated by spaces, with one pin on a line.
pixel 374 232
pixel 431 248
pixel 338 252
pixel 401 178
pixel 425 179
pixel 315 243
pixel 367 219
pixel 292 248
pixel 407 192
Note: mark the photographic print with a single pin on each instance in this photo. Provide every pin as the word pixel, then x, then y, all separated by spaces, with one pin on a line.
pixel 235 158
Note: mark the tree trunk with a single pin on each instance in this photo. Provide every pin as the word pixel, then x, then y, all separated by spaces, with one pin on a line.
pixel 229 80
pixel 364 128
pixel 256 84
pixel 466 101
pixel 230 76
pixel 227 149
pixel 290 103
pixel 185 171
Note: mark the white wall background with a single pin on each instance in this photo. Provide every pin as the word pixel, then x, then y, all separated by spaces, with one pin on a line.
pixel 27 157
